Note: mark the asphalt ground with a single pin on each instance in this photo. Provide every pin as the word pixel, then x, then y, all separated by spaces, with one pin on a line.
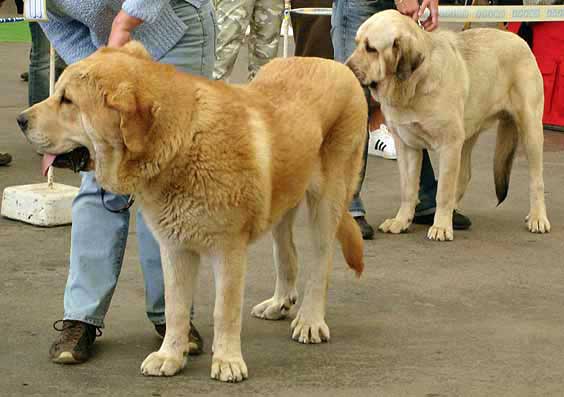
pixel 479 316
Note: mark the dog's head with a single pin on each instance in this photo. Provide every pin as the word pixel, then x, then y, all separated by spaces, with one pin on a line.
pixel 387 48
pixel 102 115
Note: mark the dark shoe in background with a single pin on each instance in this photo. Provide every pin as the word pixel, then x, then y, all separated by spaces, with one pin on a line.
pixel 459 221
pixel 74 344
pixel 195 341
pixel 366 230
pixel 5 159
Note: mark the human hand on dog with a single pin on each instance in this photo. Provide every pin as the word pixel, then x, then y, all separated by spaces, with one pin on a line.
pixel 122 27
pixel 412 9
pixel 409 8
pixel 432 22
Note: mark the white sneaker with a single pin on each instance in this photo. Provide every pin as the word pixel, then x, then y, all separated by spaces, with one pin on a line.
pixel 381 143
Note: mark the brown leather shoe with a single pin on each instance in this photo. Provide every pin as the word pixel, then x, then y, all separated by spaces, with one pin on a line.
pixel 195 341
pixel 74 344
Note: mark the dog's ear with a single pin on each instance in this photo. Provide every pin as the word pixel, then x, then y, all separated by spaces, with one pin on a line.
pixel 408 58
pixel 136 49
pixel 136 116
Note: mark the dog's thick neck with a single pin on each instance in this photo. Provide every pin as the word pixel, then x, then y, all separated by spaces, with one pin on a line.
pixel 177 132
pixel 164 146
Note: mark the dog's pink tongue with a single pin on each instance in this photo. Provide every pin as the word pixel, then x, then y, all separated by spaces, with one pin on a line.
pixel 47 162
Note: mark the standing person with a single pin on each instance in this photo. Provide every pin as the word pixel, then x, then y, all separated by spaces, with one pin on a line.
pixel 233 18
pixel 177 32
pixel 347 17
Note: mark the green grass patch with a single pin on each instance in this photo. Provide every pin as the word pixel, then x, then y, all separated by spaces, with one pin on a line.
pixel 15 32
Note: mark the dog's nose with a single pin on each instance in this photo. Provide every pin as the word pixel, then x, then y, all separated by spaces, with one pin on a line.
pixel 23 122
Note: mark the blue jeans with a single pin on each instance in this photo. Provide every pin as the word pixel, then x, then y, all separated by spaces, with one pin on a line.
pixel 346 18
pixel 98 237
pixel 38 89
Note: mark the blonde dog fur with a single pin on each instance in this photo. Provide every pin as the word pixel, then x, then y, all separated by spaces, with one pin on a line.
pixel 439 91
pixel 214 167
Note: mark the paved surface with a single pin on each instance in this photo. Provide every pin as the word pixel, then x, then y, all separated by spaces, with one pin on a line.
pixel 480 316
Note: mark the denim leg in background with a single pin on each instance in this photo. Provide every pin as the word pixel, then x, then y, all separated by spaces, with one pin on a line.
pixel 194 53
pixel 98 236
pixel 98 239
pixel 38 89
pixel 346 18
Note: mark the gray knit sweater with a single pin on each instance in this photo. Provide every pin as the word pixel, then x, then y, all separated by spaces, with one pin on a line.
pixel 77 28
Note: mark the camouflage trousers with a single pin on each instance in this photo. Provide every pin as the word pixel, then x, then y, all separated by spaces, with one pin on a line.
pixel 233 18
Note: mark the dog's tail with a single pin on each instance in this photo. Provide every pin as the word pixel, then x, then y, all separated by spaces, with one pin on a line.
pixel 505 148
pixel 351 242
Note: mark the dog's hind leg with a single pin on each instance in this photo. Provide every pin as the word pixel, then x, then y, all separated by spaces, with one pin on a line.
pixel 180 270
pixel 529 124
pixel 325 214
pixel 286 265
pixel 465 173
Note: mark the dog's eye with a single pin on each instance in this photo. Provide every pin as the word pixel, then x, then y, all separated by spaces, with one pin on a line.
pixel 370 49
pixel 65 100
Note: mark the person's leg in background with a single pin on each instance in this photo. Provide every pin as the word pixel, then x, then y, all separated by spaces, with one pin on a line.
pixel 19 10
pixel 98 239
pixel 346 19
pixel 19 6
pixel 233 17
pixel 196 60
pixel 39 65
pixel 266 23
pixel 312 33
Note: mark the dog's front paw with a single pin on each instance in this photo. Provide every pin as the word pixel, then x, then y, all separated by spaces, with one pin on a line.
pixel 306 330
pixel 275 308
pixel 161 364
pixel 234 370
pixel 439 233
pixel 538 223
pixel 394 225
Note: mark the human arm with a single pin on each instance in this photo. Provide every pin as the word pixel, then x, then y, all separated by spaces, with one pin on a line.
pixel 70 38
pixel 133 14
pixel 432 22
pixel 122 27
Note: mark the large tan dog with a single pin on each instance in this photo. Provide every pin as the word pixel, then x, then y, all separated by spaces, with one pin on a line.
pixel 214 167
pixel 431 100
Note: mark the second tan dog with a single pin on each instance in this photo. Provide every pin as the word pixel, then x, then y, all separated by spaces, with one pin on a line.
pixel 431 100
pixel 214 167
